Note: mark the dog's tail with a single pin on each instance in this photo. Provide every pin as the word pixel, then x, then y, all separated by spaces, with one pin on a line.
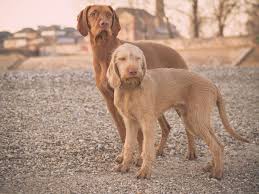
pixel 223 116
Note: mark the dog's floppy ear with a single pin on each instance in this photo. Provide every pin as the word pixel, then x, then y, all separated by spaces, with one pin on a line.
pixel 113 73
pixel 115 23
pixel 82 23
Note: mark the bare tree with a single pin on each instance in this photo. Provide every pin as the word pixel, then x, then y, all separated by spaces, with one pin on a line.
pixel 196 20
pixel 161 18
pixel 251 8
pixel 223 9
pixel 194 16
pixel 160 11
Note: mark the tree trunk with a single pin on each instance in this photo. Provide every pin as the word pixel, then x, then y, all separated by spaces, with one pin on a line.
pixel 221 30
pixel 160 11
pixel 168 25
pixel 195 22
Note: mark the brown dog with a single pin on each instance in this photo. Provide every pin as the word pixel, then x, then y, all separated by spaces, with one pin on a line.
pixel 141 96
pixel 102 24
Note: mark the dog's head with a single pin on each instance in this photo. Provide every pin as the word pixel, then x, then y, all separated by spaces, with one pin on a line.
pixel 127 67
pixel 100 21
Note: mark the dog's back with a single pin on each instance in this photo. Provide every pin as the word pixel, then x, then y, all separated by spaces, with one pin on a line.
pixel 180 87
pixel 174 86
pixel 178 76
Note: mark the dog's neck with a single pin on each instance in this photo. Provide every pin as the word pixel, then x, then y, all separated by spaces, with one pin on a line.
pixel 103 48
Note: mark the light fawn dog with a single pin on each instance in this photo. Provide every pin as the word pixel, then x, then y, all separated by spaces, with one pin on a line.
pixel 142 95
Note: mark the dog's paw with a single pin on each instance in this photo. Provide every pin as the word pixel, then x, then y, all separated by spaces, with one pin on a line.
pixel 216 175
pixel 159 151
pixel 144 173
pixel 191 156
pixel 119 159
pixel 208 167
pixel 122 168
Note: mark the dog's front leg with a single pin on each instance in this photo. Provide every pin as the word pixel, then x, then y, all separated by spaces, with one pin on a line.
pixel 117 118
pixel 148 150
pixel 129 145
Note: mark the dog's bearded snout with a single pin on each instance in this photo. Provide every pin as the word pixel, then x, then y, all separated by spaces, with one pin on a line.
pixel 132 82
pixel 132 78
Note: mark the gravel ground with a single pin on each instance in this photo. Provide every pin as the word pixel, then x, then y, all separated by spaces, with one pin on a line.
pixel 56 136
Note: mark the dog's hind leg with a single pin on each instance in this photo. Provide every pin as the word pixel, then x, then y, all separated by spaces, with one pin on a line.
pixel 199 124
pixel 216 149
pixel 191 152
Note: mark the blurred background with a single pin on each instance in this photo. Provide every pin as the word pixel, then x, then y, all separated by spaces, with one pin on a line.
pixel 42 34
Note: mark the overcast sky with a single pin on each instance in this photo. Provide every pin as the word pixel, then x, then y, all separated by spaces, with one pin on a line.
pixel 17 14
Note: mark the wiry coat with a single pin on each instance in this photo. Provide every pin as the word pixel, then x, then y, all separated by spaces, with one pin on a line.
pixel 160 89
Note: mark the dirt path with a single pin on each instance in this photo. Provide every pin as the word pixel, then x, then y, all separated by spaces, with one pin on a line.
pixel 57 137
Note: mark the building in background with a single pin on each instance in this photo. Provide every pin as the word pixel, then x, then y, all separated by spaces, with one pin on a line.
pixel 47 40
pixel 3 36
pixel 50 31
pixel 27 33
pixel 138 24
pixel 60 41
pixel 26 38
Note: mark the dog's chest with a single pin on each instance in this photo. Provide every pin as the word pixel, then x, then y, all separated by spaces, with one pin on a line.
pixel 126 104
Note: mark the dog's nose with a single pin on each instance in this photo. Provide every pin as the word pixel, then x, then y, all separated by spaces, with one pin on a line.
pixel 132 72
pixel 103 23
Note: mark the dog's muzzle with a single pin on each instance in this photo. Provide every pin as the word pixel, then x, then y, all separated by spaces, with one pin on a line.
pixel 103 34
pixel 131 83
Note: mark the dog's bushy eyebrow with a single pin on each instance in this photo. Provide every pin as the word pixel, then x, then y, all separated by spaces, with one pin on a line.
pixel 121 54
pixel 108 11
pixel 95 10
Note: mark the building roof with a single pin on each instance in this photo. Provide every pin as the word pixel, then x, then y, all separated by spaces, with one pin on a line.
pixel 26 30
pixel 47 28
pixel 5 34
pixel 134 11
pixel 17 38
pixel 69 29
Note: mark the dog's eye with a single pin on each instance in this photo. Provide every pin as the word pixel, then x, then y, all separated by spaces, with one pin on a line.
pixel 109 15
pixel 93 14
pixel 122 58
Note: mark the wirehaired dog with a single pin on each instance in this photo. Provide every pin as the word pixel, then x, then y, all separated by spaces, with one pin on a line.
pixel 142 95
